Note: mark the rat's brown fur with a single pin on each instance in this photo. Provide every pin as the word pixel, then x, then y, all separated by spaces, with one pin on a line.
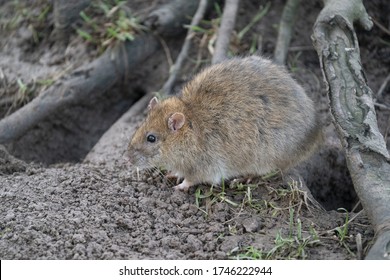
pixel 241 117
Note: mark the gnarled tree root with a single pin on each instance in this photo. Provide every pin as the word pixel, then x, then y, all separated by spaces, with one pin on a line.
pixel 353 111
pixel 85 82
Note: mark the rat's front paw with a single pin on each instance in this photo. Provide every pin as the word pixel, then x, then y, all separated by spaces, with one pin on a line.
pixel 183 186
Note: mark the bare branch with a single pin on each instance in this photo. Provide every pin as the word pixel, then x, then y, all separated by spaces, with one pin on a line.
pixel 382 88
pixel 168 86
pixel 381 27
pixel 286 26
pixel 225 30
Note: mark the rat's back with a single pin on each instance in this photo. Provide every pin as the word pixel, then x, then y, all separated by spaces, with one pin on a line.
pixel 252 116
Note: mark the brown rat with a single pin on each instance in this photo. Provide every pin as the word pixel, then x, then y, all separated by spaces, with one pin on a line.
pixel 244 116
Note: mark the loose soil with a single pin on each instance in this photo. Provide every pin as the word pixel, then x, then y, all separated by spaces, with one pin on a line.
pixel 67 191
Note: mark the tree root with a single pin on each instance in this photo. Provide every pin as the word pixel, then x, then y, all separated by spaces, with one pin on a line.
pixel 98 76
pixel 85 82
pixel 353 111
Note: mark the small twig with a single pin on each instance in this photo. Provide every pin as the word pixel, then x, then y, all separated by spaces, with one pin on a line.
pixel 347 223
pixel 359 246
pixel 381 27
pixel 262 12
pixel 387 129
pixel 382 106
pixel 259 44
pixel 203 43
pixel 166 50
pixel 225 30
pixel 168 86
pixel 301 48
pixel 354 217
pixel 356 206
pixel 286 27
pixel 382 88
pixel 3 78
pixel 7 100
pixel 142 13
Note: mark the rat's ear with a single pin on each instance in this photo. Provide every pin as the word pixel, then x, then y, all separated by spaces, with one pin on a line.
pixel 176 121
pixel 153 102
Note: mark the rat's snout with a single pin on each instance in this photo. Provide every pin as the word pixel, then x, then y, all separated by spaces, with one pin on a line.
pixel 135 156
pixel 131 155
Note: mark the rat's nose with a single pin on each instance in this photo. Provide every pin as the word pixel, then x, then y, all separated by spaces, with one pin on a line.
pixel 129 154
pixel 133 156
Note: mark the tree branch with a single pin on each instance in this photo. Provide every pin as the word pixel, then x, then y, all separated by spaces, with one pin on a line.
pixel 225 30
pixel 168 86
pixel 286 26
pixel 352 107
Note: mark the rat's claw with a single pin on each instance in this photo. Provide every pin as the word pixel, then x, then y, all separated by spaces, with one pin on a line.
pixel 183 186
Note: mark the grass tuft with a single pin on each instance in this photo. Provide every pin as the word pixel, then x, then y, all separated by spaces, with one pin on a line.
pixel 35 17
pixel 292 246
pixel 108 22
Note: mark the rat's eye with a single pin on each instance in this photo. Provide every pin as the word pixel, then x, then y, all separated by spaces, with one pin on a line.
pixel 151 138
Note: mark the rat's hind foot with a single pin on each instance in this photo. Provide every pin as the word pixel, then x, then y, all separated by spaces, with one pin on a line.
pixel 171 175
pixel 242 180
pixel 183 186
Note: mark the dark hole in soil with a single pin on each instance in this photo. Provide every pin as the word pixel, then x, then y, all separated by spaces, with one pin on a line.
pixel 70 134
pixel 328 178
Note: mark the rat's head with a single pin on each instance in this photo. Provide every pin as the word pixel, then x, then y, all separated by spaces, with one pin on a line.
pixel 153 140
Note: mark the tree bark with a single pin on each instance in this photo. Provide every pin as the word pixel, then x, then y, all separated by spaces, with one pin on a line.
pixel 353 112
